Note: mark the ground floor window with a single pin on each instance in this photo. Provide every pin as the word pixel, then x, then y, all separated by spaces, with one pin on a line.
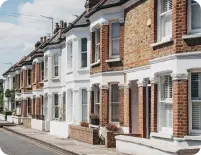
pixel 34 106
pixel 41 105
pixel 70 106
pixel 96 99
pixel 64 106
pixel 165 104
pixel 29 106
pixel 56 106
pixel 114 103
pixel 84 105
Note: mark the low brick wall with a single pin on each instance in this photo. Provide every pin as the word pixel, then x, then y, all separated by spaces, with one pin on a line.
pixel 87 135
pixel 110 141
pixel 27 122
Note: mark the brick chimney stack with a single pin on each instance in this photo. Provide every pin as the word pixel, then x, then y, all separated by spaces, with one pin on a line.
pixel 56 28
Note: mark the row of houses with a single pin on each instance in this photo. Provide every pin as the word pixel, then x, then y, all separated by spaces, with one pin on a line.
pixel 135 63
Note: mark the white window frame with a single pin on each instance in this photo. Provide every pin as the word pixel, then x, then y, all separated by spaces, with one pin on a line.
pixel 28 78
pixel 34 73
pixel 21 79
pixel 191 100
pixel 54 66
pixel 159 25
pixel 167 101
pixel 84 104
pixel 84 52
pixel 111 39
pixel 110 104
pixel 64 106
pixel 29 99
pixel 97 45
pixel 46 67
pixel 70 56
pixel 41 105
pixel 56 106
pixel 96 97
pixel 42 72
pixel 69 106
pixel 190 30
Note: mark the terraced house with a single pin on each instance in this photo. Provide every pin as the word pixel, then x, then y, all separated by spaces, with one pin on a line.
pixel 135 64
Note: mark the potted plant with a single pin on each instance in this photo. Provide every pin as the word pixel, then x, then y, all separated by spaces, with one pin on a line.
pixel 84 124
pixel 94 118
pixel 111 127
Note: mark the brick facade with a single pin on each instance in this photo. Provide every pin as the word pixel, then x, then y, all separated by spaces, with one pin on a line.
pixel 24 108
pixel 154 103
pixel 37 106
pixel 121 102
pixel 180 108
pixel 104 105
pixel 127 108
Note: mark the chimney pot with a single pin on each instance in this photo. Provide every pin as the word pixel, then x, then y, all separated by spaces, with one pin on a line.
pixel 41 39
pixel 61 24
pixel 65 25
pixel 44 39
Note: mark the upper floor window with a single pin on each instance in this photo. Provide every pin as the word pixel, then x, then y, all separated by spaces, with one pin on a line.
pixel 56 65
pixel 14 82
pixel 84 52
pixel 114 39
pixel 194 17
pixel 70 56
pixel 34 73
pixel 46 67
pixel 42 70
pixel 28 77
pixel 97 45
pixel 164 20
pixel 22 81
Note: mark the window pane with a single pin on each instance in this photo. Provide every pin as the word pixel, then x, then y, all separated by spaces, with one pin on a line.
pixel 84 60
pixel 84 44
pixel 115 30
pixel 115 47
pixel 56 112
pixel 97 52
pixel 196 111
pixel 194 85
pixel 166 5
pixel 115 112
pixel 166 25
pixel 196 15
pixel 168 116
pixel 84 96
pixel 97 108
pixel 98 36
pixel 56 99
pixel 56 71
pixel 56 59
pixel 115 93
pixel 84 112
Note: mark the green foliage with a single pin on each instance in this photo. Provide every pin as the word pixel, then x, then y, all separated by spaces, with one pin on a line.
pixel 8 93
pixel 1 98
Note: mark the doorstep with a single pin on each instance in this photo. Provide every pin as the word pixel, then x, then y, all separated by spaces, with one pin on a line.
pixel 68 146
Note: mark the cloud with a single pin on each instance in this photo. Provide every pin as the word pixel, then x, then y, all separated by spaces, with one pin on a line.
pixel 19 38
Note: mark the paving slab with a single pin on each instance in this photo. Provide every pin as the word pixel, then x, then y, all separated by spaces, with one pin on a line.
pixel 71 146
pixel 5 123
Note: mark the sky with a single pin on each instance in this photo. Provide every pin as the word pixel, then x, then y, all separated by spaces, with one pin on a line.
pixel 21 25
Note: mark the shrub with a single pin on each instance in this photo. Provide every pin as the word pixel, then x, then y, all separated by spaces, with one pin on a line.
pixel 84 124
pixel 112 127
pixel 93 116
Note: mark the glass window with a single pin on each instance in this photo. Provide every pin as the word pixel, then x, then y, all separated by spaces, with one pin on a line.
pixel 46 67
pixel 42 70
pixel 64 106
pixel 70 56
pixel 115 111
pixel 34 73
pixel 56 106
pixel 96 100
pixel 70 106
pixel 97 44
pixel 29 77
pixel 115 39
pixel 195 17
pixel 41 105
pixel 56 65
pixel 22 77
pixel 84 105
pixel 165 20
pixel 29 106
pixel 84 52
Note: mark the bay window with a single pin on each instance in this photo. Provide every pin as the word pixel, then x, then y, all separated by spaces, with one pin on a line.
pixel 34 73
pixel 42 71
pixel 56 65
pixel 194 17
pixel 114 103
pixel 164 20
pixel 84 105
pixel 114 39
pixel 196 100
pixel 84 52
pixel 70 56
pixel 29 77
pixel 97 45
pixel 56 106
pixel 165 104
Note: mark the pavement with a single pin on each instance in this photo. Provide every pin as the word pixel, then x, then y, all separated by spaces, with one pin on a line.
pixel 5 123
pixel 67 146
pixel 12 144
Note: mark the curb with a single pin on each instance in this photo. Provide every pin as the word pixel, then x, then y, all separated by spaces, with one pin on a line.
pixel 67 152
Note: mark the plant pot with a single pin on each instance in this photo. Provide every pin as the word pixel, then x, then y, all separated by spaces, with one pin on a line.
pixel 95 121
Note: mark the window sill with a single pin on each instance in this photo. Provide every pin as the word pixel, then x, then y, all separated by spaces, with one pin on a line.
pixel 162 43
pixel 34 84
pixel 41 82
pixel 28 86
pixel 83 69
pixel 162 135
pixel 192 138
pixel 113 60
pixel 45 80
pixel 191 36
pixel 69 72
pixel 96 63
pixel 55 79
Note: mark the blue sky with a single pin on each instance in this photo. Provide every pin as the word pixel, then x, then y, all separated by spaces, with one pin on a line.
pixel 18 35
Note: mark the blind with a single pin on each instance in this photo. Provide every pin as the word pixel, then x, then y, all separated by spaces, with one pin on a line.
pixel 168 117
pixel 196 116
pixel 166 5
pixel 195 85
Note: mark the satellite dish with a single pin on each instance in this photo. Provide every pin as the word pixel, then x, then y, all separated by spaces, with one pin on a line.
pixel 1 152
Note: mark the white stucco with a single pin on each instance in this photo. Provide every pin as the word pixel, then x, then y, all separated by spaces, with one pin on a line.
pixel 37 124
pixel 2 117
pixel 10 119
pixel 59 129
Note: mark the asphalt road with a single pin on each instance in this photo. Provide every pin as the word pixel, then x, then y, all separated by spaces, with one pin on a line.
pixel 15 145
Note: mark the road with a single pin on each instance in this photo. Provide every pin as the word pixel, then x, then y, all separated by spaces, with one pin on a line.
pixel 12 144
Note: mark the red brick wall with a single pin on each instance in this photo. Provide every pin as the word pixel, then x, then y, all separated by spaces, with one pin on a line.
pixel 121 100
pixel 142 110
pixel 37 75
pixel 37 106
pixel 91 104
pixel 180 108
pixel 127 108
pixel 24 108
pixel 153 107
pixel 104 105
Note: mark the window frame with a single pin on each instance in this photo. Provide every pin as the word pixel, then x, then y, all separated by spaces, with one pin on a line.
pixel 167 101
pixel 97 44
pixel 84 104
pixel 84 52
pixel 56 106
pixel 42 71
pixel 28 77
pixel 160 28
pixel 111 39
pixel 29 107
pixel 70 56
pixel 110 104
pixel 54 66
pixel 46 68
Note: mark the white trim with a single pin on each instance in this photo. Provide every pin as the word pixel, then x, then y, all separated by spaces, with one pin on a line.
pixel 169 40
pixel 95 63
pixel 113 60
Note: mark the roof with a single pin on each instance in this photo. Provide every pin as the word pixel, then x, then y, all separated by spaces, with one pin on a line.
pixel 81 21
pixel 103 4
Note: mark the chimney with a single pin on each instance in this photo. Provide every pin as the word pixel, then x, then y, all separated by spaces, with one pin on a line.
pixel 65 25
pixel 44 39
pixel 56 28
pixel 90 3
pixel 41 40
pixel 62 24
